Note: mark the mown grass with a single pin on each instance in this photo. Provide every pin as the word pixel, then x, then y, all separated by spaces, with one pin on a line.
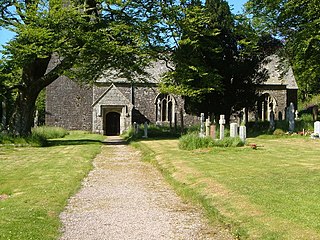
pixel 35 184
pixel 272 192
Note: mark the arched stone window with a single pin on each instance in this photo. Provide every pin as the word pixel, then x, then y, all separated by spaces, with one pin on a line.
pixel 266 104
pixel 165 108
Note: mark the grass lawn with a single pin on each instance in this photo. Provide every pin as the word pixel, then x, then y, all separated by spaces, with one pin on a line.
pixel 35 184
pixel 269 193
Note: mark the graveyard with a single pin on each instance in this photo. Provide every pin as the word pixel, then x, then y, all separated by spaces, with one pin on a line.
pixel 265 188
pixel 270 191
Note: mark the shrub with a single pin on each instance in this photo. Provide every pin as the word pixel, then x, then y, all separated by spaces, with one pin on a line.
pixel 193 141
pixel 129 135
pixel 278 132
pixel 154 131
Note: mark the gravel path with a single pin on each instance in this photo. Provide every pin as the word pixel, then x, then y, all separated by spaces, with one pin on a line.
pixel 124 198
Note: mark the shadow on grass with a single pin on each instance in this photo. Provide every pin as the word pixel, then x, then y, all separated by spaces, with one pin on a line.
pixel 66 142
pixel 129 140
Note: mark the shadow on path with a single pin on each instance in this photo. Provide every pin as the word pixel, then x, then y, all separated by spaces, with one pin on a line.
pixel 115 140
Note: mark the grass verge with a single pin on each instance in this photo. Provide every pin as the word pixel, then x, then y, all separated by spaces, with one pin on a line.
pixel 271 192
pixel 35 184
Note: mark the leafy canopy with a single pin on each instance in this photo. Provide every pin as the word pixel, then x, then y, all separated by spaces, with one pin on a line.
pixel 215 59
pixel 297 22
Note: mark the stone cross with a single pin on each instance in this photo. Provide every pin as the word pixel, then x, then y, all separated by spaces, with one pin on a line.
pixel 317 128
pixel 291 116
pixel 243 133
pixel 145 130
pixel 202 125
pixel 222 122
pixel 208 123
pixel 233 130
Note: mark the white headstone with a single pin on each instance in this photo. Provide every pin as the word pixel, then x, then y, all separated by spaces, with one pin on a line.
pixel 243 133
pixel 208 123
pixel 233 130
pixel 222 122
pixel 317 128
pixel 202 125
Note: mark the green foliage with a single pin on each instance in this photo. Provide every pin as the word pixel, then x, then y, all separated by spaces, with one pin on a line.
pixel 216 59
pixel 193 141
pixel 298 23
pixel 154 131
pixel 41 107
pixel 306 117
pixel 308 103
pixel 81 39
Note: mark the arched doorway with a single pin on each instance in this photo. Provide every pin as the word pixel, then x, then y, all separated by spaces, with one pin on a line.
pixel 112 124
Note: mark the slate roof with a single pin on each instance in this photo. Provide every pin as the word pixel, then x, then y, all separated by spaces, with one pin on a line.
pixel 154 71
pixel 279 74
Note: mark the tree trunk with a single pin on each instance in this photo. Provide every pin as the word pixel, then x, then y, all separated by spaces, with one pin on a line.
pixel 34 79
pixel 23 116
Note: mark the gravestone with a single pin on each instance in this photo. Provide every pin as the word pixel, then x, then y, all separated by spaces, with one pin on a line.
pixel 213 131
pixel 181 121
pixel 202 125
pixel 36 119
pixel 291 116
pixel 145 130
pixel 272 122
pixel 233 130
pixel 208 123
pixel 317 128
pixel 315 112
pixel 243 133
pixel 135 128
pixel 222 122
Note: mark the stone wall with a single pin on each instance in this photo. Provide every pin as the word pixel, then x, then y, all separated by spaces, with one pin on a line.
pixel 73 107
pixel 68 105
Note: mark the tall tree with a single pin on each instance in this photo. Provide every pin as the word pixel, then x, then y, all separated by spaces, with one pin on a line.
pixel 215 60
pixel 297 22
pixel 78 38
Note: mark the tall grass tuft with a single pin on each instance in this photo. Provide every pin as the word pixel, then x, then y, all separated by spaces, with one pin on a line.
pixel 49 132
pixel 38 137
pixel 193 141
pixel 154 131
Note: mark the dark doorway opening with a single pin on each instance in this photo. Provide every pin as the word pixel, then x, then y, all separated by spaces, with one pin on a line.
pixel 113 124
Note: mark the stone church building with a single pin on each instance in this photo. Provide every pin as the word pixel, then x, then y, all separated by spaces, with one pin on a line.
pixel 113 104
pixel 277 92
